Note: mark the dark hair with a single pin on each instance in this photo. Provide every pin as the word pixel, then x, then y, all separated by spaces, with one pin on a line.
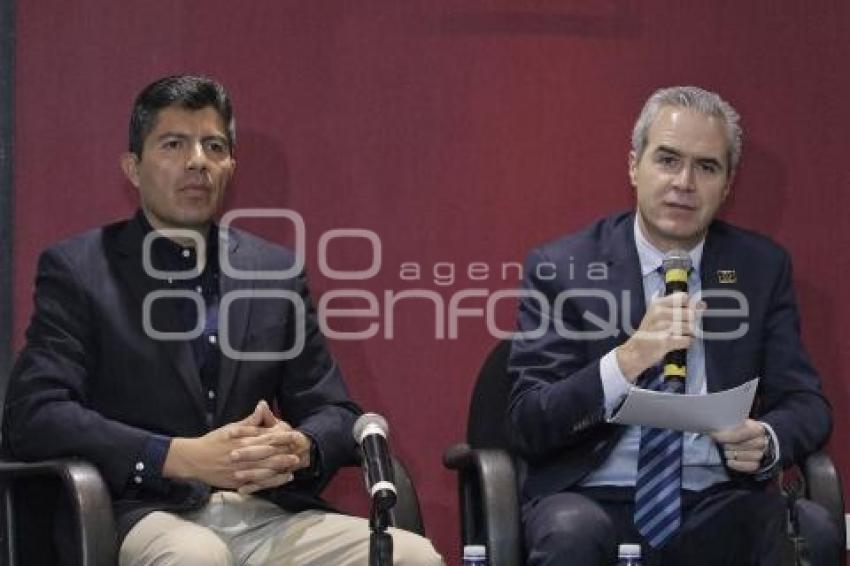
pixel 186 91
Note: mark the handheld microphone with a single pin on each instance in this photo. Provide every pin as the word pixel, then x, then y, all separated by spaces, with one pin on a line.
pixel 370 431
pixel 676 264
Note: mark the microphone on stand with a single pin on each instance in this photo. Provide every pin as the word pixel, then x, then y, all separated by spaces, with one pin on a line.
pixel 370 431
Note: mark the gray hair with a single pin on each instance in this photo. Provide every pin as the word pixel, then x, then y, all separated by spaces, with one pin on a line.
pixel 704 102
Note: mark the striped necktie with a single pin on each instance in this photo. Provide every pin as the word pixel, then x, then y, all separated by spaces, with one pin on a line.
pixel 658 503
pixel 658 490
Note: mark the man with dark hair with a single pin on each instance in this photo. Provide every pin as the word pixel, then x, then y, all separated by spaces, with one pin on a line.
pixel 687 498
pixel 129 365
pixel 187 92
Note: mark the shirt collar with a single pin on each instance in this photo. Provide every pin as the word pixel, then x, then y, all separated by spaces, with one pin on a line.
pixel 170 251
pixel 651 257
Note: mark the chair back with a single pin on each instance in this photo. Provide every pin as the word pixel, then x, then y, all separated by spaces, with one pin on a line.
pixel 489 495
pixel 488 425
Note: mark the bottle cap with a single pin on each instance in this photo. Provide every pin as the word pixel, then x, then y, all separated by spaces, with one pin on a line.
pixel 629 551
pixel 473 551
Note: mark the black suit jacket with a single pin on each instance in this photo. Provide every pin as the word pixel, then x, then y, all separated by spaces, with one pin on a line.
pixel 91 383
pixel 557 399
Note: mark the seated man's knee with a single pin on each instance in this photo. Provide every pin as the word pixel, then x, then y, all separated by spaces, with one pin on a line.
pixel 214 554
pixel 567 526
pixel 410 549
pixel 173 543
pixel 822 535
pixel 166 553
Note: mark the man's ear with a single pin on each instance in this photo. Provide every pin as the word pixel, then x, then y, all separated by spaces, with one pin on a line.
pixel 633 163
pixel 130 166
pixel 728 188
pixel 228 172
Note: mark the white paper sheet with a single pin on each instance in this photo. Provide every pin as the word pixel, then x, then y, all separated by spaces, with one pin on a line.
pixel 691 413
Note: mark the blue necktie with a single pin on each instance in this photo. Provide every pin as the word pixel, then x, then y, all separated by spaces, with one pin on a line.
pixel 658 503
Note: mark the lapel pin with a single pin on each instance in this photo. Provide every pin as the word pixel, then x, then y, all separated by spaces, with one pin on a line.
pixel 727 276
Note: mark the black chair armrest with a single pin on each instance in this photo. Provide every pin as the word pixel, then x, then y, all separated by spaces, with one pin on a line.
pixel 823 486
pixel 406 513
pixel 487 477
pixel 457 456
pixel 90 501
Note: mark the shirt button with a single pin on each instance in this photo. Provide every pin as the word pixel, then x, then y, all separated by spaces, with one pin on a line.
pixel 137 479
pixel 211 394
pixel 170 281
pixel 186 253
pixel 212 339
pixel 199 289
pixel 140 466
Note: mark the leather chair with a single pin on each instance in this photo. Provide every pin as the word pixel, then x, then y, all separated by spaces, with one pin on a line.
pixel 487 480
pixel 34 493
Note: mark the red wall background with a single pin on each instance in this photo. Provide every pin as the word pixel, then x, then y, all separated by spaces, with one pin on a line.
pixel 458 131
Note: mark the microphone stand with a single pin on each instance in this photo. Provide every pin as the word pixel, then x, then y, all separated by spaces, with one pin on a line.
pixel 380 541
pixel 796 548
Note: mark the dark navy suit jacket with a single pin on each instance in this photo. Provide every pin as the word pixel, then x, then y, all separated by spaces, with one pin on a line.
pixel 556 403
pixel 91 383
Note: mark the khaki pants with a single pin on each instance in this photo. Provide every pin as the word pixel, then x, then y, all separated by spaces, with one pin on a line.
pixel 243 530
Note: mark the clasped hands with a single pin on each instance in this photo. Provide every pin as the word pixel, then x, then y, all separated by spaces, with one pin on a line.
pixel 258 452
pixel 670 324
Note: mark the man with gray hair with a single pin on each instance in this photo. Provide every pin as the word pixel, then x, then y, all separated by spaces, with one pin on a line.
pixel 686 498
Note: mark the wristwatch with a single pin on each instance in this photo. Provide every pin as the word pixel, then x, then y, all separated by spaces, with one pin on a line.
pixel 769 451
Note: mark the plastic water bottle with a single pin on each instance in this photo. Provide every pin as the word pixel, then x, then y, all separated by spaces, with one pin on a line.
pixel 629 555
pixel 474 555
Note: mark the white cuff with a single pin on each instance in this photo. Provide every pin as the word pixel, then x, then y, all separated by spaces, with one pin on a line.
pixel 776 455
pixel 615 386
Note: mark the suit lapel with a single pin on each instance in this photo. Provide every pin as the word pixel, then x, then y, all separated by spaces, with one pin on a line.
pixel 718 353
pixel 239 311
pixel 625 276
pixel 179 352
